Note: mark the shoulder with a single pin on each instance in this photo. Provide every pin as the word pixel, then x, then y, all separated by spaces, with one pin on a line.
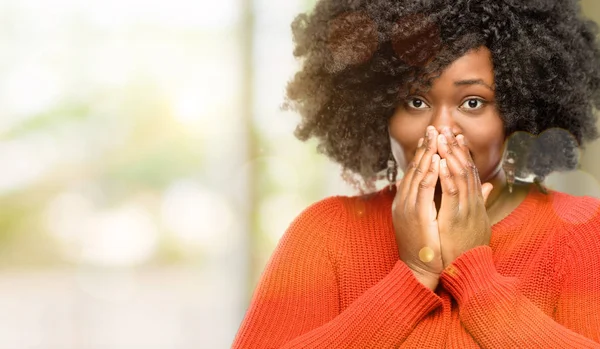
pixel 575 211
pixel 579 218
pixel 340 212
pixel 329 210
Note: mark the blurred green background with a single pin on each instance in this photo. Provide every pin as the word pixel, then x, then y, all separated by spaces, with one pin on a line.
pixel 147 170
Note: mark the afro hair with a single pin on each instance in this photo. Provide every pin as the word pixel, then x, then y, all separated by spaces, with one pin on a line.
pixel 359 57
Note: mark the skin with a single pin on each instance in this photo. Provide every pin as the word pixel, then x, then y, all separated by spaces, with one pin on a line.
pixel 454 188
pixel 447 104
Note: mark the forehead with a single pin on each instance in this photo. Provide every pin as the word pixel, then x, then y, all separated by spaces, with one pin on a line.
pixel 474 68
pixel 475 64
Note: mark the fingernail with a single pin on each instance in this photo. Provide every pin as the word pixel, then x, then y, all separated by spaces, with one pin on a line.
pixel 442 139
pixel 461 139
pixel 443 162
pixel 430 130
pixel 420 142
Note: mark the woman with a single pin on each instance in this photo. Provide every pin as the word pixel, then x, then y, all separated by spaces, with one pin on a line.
pixel 459 253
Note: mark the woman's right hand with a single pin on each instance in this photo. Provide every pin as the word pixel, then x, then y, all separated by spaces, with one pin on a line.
pixel 414 213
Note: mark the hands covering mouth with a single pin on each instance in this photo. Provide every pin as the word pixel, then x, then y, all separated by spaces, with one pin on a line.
pixel 428 240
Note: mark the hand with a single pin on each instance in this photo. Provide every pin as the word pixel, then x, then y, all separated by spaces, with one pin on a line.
pixel 414 214
pixel 463 221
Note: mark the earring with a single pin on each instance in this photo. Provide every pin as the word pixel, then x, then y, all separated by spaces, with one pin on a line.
pixel 509 166
pixel 539 181
pixel 392 171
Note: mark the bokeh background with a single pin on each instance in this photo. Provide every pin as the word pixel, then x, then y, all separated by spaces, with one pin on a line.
pixel 147 170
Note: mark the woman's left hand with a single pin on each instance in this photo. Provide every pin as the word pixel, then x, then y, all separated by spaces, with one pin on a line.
pixel 462 219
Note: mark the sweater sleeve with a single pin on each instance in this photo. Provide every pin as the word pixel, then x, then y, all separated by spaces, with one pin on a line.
pixel 498 315
pixel 296 302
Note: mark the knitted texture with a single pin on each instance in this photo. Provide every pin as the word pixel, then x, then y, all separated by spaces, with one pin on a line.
pixel 335 281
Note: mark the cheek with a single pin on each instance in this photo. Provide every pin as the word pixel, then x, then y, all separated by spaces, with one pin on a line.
pixel 404 136
pixel 487 155
pixel 404 148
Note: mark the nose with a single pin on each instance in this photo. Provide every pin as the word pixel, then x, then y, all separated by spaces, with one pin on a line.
pixel 442 117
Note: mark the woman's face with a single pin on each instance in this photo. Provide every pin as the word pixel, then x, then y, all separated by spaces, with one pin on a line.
pixel 463 99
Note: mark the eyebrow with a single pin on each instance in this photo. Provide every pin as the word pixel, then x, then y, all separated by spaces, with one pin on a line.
pixel 472 82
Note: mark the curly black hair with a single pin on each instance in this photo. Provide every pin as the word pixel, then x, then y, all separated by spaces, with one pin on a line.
pixel 359 57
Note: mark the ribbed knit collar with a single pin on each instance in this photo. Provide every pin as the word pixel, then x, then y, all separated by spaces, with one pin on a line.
pixel 524 212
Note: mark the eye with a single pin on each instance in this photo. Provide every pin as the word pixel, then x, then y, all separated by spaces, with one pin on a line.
pixel 473 104
pixel 416 103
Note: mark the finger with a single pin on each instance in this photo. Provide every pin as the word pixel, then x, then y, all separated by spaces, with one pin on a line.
pixel 406 171
pixel 463 144
pixel 432 132
pixel 449 189
pixel 456 148
pixel 427 189
pixel 468 170
pixel 404 186
pixel 460 175
pixel 424 165
pixel 423 147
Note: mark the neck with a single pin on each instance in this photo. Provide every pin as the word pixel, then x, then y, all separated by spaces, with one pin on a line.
pixel 498 180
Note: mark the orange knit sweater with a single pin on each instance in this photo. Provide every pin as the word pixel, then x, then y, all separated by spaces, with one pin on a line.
pixel 335 281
